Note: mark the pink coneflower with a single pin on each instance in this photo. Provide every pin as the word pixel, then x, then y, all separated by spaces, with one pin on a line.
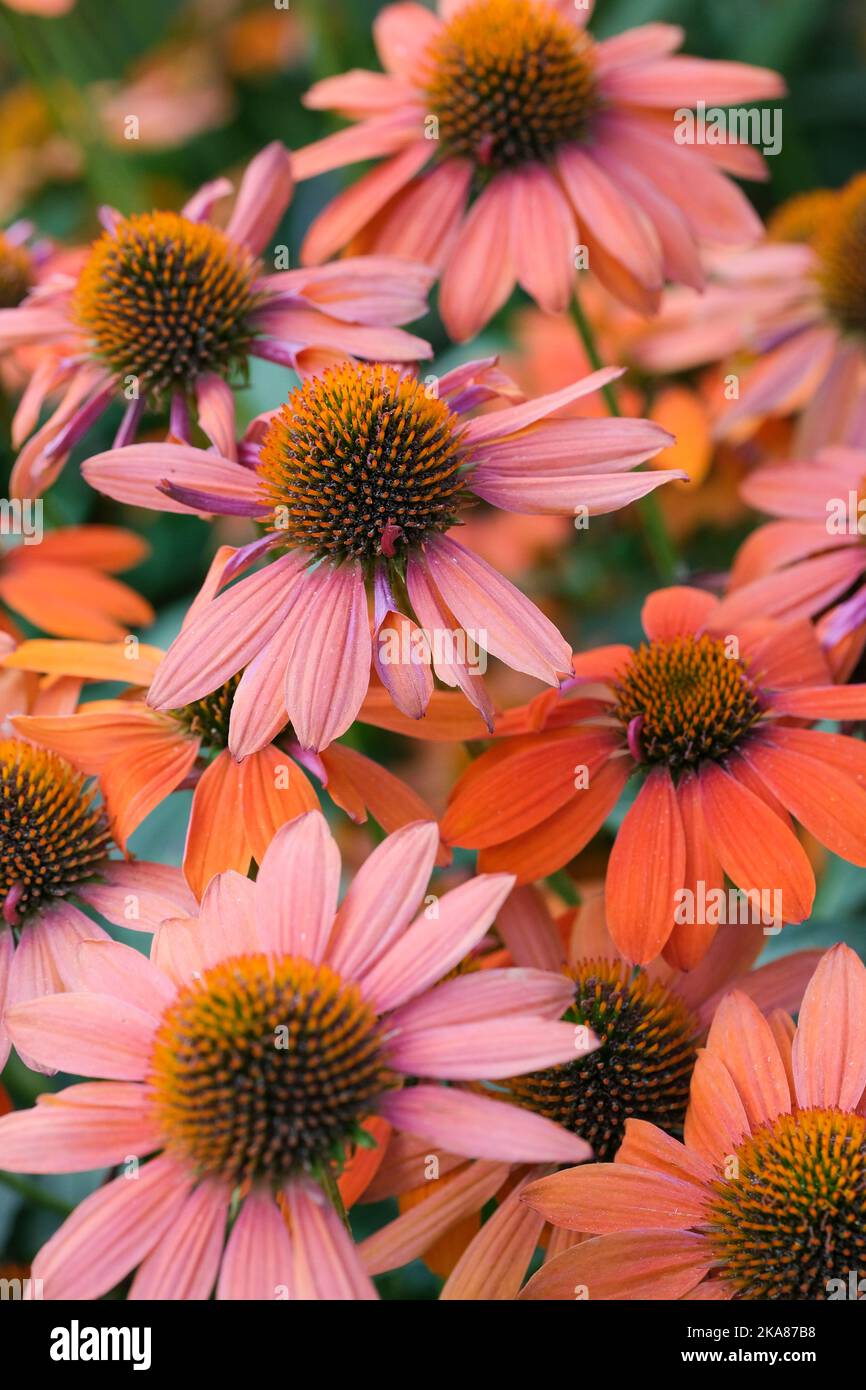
pixel 796 307
pixel 55 850
pixel 358 479
pixel 168 308
pixel 318 1015
pixel 766 1199
pixel 510 136
pixel 811 559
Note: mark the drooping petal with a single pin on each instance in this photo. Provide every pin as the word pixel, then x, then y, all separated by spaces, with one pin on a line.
pixel 111 1231
pixel 183 1265
pixel 646 868
pixel 257 1263
pixel 325 1262
pixel 328 671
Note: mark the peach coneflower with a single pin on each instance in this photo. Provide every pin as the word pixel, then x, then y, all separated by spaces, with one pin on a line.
pixel 66 586
pixel 168 308
pixel 649 1023
pixel 318 1015
pixel 142 755
pixel 359 480
pixel 55 849
pixel 766 1199
pixel 798 305
pixel 510 136
pixel 705 717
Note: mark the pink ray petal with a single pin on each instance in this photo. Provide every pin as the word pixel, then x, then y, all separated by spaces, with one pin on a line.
pixel 358 203
pixel 328 671
pixel 297 887
pixel 133 475
pixel 491 1049
pixel 264 195
pixel 87 1034
pixel 199 207
pixel 111 1231
pixel 259 707
pixel 109 967
pixel 216 413
pixel 480 1127
pixel 543 238
pixel 383 898
pixel 183 1265
pixel 422 222
pixel 257 1264
pixel 637 45
pixel 498 424
pixel 617 223
pixel 436 617
pixel 139 895
pixel 92 1125
pixel 486 994
pixel 830 1058
pixel 228 633
pixel 417 1227
pixel 326 1262
pixel 480 274
pixel 227 923
pixel 495 613
pixel 433 945
pixel 402 33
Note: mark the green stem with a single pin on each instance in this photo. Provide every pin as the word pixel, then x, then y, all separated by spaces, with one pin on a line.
pixel 32 1192
pixel 331 1189
pixel 659 543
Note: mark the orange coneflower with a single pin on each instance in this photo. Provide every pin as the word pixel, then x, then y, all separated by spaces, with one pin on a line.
pixel 711 721
pixel 766 1199
pixel 142 755
pixel 510 135
pixel 650 1024
pixel 65 584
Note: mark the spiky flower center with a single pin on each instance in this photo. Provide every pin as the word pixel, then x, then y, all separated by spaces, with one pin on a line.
pixel 642 1069
pixel 208 718
pixel 362 461
pixel 509 81
pixel 16 273
pixel 692 699
pixel 841 247
pixel 164 299
pixel 791 1216
pixel 52 836
pixel 265 1068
